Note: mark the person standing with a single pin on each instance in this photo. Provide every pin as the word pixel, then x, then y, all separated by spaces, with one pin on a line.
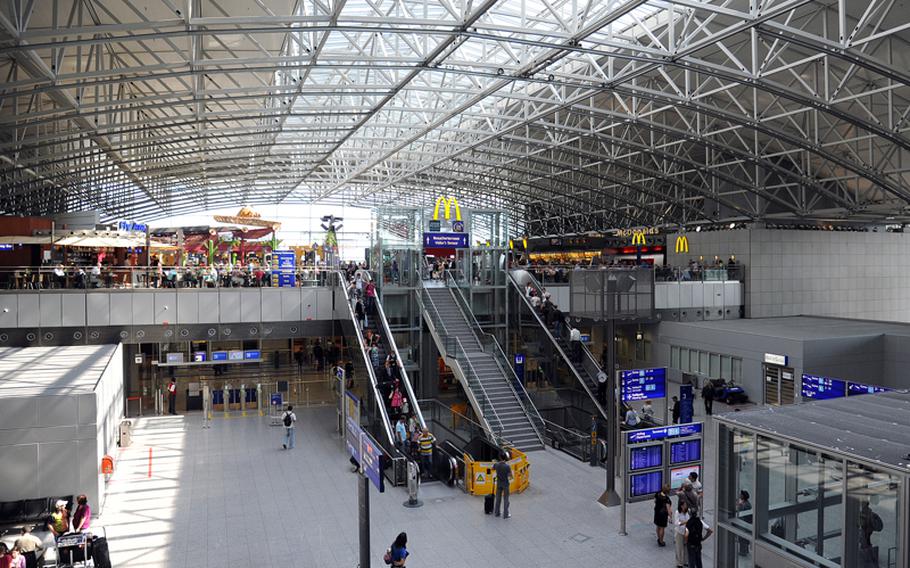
pixel 425 443
pixel 698 489
pixel 29 544
pixel 697 531
pixel 503 479
pixel 707 393
pixel 680 518
pixel 360 314
pixel 172 397
pixel 290 426
pixel 401 433
pixel 602 386
pixel 662 507
pixel 59 521
pixel 575 340
pixel 319 355
pixel 687 493
pixel 675 410
pixel 82 517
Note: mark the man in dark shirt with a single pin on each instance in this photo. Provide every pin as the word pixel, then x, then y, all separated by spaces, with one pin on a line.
pixel 503 477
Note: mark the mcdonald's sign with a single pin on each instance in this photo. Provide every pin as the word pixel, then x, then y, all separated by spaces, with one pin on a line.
pixel 638 239
pixel 447 204
pixel 682 243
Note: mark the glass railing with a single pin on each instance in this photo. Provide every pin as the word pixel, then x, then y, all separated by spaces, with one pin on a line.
pixel 94 277
pixel 561 273
pixel 491 346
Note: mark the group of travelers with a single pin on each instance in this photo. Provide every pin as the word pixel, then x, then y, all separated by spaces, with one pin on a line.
pixel 689 529
pixel 548 311
pixel 25 549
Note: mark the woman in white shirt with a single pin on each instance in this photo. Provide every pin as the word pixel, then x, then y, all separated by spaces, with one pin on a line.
pixel 680 518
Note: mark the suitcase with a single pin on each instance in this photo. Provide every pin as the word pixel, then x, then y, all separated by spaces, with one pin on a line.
pixel 488 504
pixel 100 555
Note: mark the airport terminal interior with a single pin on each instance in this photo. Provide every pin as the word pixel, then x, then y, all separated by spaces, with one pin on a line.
pixel 445 283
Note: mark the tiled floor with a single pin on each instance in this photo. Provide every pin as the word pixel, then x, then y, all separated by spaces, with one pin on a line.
pixel 229 496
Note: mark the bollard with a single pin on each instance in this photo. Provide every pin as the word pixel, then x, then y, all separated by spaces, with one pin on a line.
pixel 413 485
pixel 206 406
pixel 242 399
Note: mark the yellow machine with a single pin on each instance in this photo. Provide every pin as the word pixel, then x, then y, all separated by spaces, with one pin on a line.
pixel 479 475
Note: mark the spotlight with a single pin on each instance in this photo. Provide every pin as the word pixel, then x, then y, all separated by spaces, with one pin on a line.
pixel 698 229
pixel 732 225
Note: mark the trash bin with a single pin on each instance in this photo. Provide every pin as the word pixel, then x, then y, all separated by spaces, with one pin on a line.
pixel 126 433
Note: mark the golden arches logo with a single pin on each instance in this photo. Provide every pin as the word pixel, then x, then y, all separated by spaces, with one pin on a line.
pixel 447 203
pixel 638 238
pixel 682 243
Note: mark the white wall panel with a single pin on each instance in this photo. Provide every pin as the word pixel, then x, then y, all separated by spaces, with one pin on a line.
pixel 291 304
pixel 98 309
pixel 229 305
pixel 187 307
pixel 50 307
pixel 143 308
pixel 207 306
pixel 28 310
pixel 250 307
pixel 73 310
pixel 122 307
pixel 19 466
pixel 271 304
pixel 9 310
pixel 165 307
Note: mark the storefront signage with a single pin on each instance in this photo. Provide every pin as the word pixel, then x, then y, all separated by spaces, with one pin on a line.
pixel 663 432
pixel 447 204
pixel 780 360
pixel 131 227
pixel 633 232
pixel 682 243
pixel 643 384
pixel 445 240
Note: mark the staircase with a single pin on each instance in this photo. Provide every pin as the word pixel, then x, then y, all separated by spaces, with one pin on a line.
pixel 475 362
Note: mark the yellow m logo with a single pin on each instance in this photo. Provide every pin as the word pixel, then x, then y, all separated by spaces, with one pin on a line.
pixel 682 243
pixel 638 238
pixel 447 203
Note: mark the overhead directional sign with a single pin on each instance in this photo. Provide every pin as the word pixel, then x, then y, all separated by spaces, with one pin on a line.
pixel 643 384
pixel 663 432
pixel 854 389
pixel 823 388
pixel 445 240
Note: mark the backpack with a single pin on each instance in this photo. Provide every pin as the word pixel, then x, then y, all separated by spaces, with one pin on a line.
pixel 695 529
pixel 288 420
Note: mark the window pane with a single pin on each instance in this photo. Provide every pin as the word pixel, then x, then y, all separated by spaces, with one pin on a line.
pixel 872 506
pixel 734 551
pixel 674 357
pixel 715 365
pixel 684 359
pixel 737 369
pixel 726 365
pixel 693 360
pixel 737 486
pixel 703 363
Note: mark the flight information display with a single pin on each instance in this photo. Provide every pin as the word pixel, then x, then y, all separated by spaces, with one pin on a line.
pixel 662 432
pixel 645 484
pixel 822 388
pixel 645 457
pixel 643 384
pixel 685 451
pixel 854 389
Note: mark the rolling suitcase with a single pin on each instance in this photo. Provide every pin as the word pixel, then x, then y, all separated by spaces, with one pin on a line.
pixel 488 504
pixel 100 555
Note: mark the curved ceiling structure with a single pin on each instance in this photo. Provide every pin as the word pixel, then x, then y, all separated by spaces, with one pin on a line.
pixel 579 114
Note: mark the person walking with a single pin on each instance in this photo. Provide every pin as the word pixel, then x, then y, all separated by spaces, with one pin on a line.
pixel 503 479
pixel 680 518
pixel 662 508
pixel 425 443
pixel 172 397
pixel 697 531
pixel 707 393
pixel 290 426
pixel 29 544
pixel 687 493
pixel 398 552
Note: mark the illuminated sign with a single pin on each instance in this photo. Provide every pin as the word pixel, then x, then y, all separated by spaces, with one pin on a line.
pixel 447 203
pixel 219 356
pixel 638 239
pixel 645 484
pixel 685 451
pixel 445 240
pixel 663 432
pixel 646 457
pixel 854 389
pixel 131 227
pixel 6 246
pixel 643 384
pixel 823 388
pixel 634 232
pixel 678 475
pixel 682 243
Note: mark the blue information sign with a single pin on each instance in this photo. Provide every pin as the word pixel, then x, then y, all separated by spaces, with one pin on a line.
pixel 371 460
pixel 219 356
pixel 646 457
pixel 283 268
pixel 519 364
pixel 663 432
pixel 275 399
pixel 822 388
pixel 854 389
pixel 445 240
pixel 685 451
pixel 648 483
pixel 643 384
pixel 252 355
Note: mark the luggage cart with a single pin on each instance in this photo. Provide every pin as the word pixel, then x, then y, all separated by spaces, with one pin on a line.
pixel 276 409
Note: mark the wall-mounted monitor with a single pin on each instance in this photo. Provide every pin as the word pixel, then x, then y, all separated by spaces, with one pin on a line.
pixel 680 474
pixel 645 484
pixel 645 457
pixel 684 451
pixel 219 356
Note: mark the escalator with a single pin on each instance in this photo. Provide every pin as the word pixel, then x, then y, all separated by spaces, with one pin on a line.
pixel 478 362
pixel 569 400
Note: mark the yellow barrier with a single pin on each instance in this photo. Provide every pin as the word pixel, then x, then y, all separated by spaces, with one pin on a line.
pixel 479 475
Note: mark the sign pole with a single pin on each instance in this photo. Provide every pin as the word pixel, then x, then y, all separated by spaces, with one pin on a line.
pixel 363 491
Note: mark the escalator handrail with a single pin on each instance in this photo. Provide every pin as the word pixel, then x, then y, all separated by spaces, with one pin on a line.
pixel 380 402
pixel 394 348
pixel 584 384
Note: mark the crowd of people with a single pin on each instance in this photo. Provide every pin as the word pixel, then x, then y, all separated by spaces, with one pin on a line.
pixel 689 529
pixel 25 550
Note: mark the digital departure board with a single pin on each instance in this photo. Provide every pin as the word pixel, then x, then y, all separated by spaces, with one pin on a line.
pixel 854 389
pixel 645 484
pixel 645 457
pixel 643 384
pixel 822 388
pixel 685 451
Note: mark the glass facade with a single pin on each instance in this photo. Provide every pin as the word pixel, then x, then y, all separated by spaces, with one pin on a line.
pixel 818 508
